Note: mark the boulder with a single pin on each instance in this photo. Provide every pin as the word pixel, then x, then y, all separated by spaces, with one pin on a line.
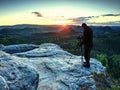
pixel 18 48
pixel 14 75
pixel 1 46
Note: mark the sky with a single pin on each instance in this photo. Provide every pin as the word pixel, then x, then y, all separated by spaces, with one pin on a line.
pixel 50 12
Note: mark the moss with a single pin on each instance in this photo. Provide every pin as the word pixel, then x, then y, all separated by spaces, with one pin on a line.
pixel 105 82
pixel 1 65
pixel 101 81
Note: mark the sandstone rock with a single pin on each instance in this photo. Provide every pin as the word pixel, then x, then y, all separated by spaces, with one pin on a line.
pixel 3 84
pixel 15 75
pixel 1 46
pixel 60 70
pixel 18 48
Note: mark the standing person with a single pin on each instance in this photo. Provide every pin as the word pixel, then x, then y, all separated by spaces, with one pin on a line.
pixel 87 41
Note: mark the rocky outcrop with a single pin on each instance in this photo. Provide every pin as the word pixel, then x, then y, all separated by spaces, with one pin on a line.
pixel 1 46
pixel 15 75
pixel 58 69
pixel 18 48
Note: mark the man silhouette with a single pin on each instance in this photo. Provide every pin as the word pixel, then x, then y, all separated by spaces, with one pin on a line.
pixel 87 41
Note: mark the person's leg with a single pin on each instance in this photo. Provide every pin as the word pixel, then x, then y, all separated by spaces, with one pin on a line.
pixel 87 56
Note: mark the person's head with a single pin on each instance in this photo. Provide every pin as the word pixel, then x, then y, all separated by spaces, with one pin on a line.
pixel 84 25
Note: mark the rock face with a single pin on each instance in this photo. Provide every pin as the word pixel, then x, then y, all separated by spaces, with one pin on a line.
pixel 58 69
pixel 1 46
pixel 16 76
pixel 18 48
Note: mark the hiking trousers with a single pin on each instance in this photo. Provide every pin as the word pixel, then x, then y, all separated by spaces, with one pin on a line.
pixel 87 50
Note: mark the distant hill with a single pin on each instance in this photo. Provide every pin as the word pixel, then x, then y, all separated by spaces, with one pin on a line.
pixel 41 28
pixel 99 30
pixel 68 30
pixel 26 30
pixel 102 30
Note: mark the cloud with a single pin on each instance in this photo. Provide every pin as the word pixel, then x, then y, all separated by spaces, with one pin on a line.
pixel 101 19
pixel 105 19
pixel 38 14
pixel 79 20
pixel 111 15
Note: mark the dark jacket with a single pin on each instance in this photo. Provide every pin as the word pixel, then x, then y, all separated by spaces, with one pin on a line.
pixel 87 38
